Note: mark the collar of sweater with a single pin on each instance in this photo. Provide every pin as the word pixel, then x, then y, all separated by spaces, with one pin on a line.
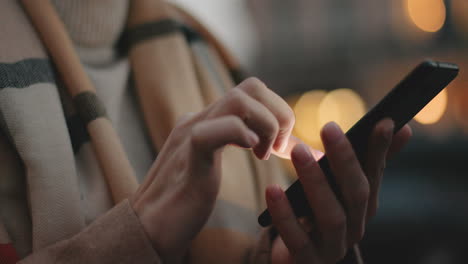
pixel 94 26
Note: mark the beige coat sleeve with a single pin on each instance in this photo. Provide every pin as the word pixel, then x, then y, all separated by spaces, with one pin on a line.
pixel 116 237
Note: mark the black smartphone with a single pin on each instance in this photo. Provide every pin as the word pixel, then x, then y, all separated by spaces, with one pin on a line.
pixel 401 104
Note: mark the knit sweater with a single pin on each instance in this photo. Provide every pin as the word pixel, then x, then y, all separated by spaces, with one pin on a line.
pixel 55 204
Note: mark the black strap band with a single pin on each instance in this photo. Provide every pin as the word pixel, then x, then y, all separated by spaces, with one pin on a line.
pixel 146 31
pixel 25 73
pixel 89 107
pixel 139 33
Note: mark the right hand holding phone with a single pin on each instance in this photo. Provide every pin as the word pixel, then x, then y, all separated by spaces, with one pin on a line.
pixel 336 227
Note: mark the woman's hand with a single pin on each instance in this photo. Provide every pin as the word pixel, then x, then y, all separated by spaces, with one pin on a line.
pixel 178 194
pixel 336 226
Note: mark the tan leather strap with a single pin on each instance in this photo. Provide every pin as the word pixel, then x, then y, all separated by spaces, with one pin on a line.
pixel 165 78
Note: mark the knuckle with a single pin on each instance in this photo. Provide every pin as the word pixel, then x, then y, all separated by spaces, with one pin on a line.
pixel 234 120
pixel 385 139
pixel 235 95
pixel 235 123
pixel 178 132
pixel 180 123
pixel 272 130
pixel 290 116
pixel 286 118
pixel 361 196
pixel 196 136
pixel 302 246
pixel 339 220
pixel 236 101
pixel 184 119
pixel 336 222
pixel 268 129
pixel 345 154
pixel 253 84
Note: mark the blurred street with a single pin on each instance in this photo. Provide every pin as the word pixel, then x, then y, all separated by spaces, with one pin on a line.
pixel 333 60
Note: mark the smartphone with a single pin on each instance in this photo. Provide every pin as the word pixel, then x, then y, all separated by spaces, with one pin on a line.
pixel 401 104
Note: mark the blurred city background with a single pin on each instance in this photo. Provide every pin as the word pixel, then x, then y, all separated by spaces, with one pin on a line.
pixel 333 60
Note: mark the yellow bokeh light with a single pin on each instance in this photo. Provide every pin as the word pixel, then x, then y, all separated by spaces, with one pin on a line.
pixel 343 106
pixel 428 15
pixel 307 125
pixel 434 111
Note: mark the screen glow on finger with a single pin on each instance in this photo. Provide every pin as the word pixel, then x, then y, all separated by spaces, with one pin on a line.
pixel 292 142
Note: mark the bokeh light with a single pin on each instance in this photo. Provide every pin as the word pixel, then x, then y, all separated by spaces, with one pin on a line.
pixel 427 15
pixel 307 125
pixel 373 45
pixel 343 106
pixel 434 111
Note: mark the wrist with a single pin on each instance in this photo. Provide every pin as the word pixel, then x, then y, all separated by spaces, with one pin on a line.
pixel 155 232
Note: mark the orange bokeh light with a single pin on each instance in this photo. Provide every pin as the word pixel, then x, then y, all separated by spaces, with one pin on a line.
pixel 343 106
pixel 307 125
pixel 434 111
pixel 427 15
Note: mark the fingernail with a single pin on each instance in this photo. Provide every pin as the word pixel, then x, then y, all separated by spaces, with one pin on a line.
pixel 275 193
pixel 252 138
pixel 332 133
pixel 302 155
